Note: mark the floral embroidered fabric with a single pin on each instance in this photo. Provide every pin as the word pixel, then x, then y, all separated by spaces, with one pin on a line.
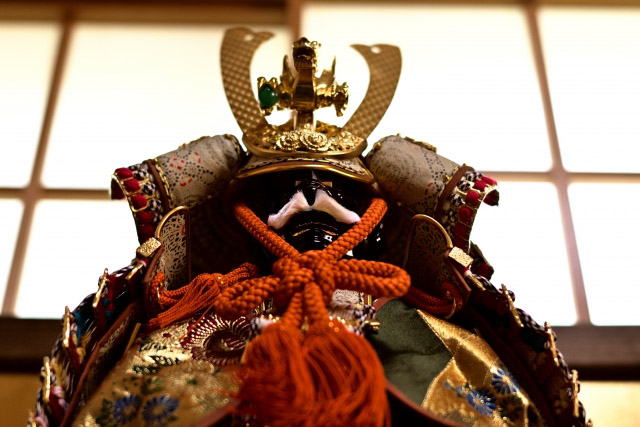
pixel 448 370
pixel 475 388
pixel 170 377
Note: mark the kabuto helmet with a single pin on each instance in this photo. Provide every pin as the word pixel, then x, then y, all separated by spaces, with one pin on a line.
pixel 303 283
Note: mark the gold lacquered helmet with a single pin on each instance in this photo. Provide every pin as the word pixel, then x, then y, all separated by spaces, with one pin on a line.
pixel 303 142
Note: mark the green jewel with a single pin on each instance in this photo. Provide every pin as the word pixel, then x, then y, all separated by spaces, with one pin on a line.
pixel 267 96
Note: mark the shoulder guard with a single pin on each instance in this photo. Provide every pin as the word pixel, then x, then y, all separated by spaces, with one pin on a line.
pixel 195 172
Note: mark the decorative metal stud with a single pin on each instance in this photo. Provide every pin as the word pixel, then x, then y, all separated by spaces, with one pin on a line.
pixel 147 249
pixel 46 388
pixel 66 327
pixel 474 280
pixel 104 281
pixel 460 257
pixel 133 336
pixel 512 307
pixel 575 388
pixel 552 345
pixel 368 299
pixel 139 266
pixel 372 324
pixel 31 421
pixel 453 305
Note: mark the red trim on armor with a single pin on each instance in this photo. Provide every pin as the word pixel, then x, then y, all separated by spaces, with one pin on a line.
pixel 146 231
pixel 480 185
pixel 483 269
pixel 139 201
pixel 462 230
pixel 459 242
pixel 465 214
pixel 124 173
pixel 144 217
pixel 492 198
pixel 473 198
pixel 131 185
pixel 489 181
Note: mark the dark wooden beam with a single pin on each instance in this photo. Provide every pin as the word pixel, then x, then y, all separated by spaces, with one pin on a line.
pixel 223 12
pixel 25 342
pixel 601 352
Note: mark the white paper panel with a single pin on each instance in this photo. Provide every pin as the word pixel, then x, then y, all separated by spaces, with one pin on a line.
pixel 593 64
pixel 71 243
pixel 27 52
pixel 132 92
pixel 523 240
pixel 468 82
pixel 607 228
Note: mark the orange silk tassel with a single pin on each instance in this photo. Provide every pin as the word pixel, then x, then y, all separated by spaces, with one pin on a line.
pixel 328 376
pixel 197 296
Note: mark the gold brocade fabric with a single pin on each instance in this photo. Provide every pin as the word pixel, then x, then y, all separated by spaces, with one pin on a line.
pixel 474 388
pixel 159 382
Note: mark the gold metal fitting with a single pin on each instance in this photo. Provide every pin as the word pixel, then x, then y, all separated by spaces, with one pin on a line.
pixel 31 421
pixel 373 324
pixel 139 266
pixel 46 388
pixel 453 306
pixel 301 90
pixel 104 281
pixel 133 336
pixel 460 257
pixel 476 282
pixel 575 388
pixel 147 249
pixel 512 307
pixel 66 327
pixel 368 299
pixel 552 341
pixel 423 144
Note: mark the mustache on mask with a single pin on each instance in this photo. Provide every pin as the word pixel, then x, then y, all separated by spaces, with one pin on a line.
pixel 323 203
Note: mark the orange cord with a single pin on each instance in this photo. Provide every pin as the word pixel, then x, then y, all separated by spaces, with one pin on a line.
pixel 293 272
pixel 198 296
pixel 328 376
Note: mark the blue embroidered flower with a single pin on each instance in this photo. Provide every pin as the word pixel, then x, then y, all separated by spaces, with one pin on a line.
pixel 503 382
pixel 126 408
pixel 482 401
pixel 159 408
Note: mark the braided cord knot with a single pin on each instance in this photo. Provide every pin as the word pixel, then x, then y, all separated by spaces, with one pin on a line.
pixel 327 374
pixel 315 274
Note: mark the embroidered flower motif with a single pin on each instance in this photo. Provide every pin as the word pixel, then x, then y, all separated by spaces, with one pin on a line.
pixel 503 382
pixel 126 408
pixel 218 341
pixel 482 401
pixel 511 408
pixel 159 408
